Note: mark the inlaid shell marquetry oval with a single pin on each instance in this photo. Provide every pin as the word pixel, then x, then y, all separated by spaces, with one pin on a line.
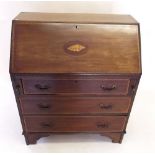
pixel 75 48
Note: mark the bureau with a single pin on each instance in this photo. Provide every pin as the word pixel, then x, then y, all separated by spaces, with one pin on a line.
pixel 74 73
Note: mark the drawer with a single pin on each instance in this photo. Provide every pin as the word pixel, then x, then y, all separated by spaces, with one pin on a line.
pixel 74 105
pixel 75 123
pixel 80 86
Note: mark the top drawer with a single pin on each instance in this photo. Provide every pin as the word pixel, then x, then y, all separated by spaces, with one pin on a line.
pixel 80 86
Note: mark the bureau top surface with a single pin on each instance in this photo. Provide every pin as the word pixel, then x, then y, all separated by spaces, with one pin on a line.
pixel 74 43
pixel 75 18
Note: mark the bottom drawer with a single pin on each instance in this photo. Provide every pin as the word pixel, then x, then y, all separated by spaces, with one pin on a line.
pixel 75 123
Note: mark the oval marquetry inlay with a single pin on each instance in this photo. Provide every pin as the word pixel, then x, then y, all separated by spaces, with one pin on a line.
pixel 75 48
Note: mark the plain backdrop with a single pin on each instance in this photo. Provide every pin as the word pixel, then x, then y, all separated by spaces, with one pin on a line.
pixel 140 135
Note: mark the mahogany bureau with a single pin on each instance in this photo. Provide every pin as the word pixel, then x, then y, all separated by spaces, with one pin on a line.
pixel 74 73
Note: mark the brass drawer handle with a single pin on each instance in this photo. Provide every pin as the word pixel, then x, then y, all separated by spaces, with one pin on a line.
pixel 44 106
pixel 108 88
pixel 42 87
pixel 46 125
pixel 103 106
pixel 102 125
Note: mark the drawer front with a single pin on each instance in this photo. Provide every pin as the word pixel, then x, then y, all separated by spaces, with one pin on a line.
pixel 75 123
pixel 74 105
pixel 82 86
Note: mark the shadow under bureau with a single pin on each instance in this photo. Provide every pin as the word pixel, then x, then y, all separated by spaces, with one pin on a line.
pixel 74 73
